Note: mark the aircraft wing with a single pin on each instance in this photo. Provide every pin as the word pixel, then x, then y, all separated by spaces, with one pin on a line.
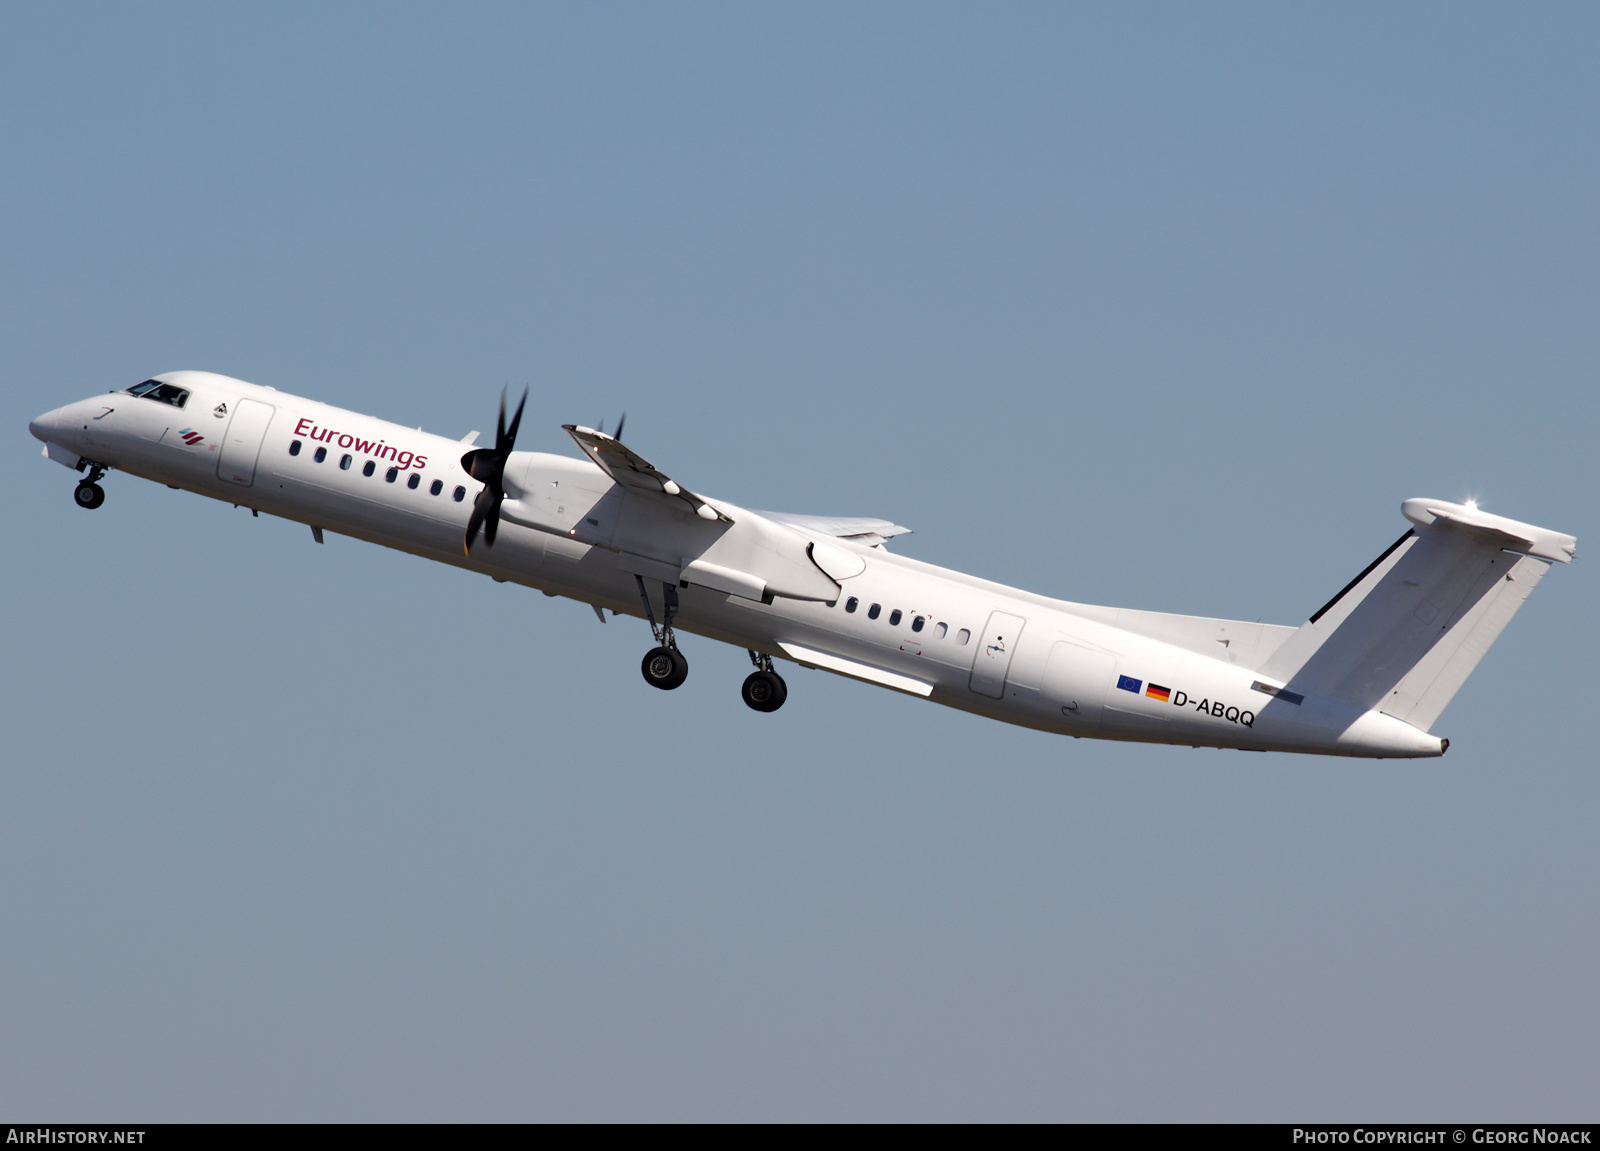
pixel 628 468
pixel 862 530
pixel 660 530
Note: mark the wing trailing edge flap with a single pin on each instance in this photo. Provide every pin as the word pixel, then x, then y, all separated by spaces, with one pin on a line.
pixel 857 529
pixel 661 530
pixel 808 657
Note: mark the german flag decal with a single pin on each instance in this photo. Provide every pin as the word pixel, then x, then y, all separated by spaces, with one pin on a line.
pixel 1156 691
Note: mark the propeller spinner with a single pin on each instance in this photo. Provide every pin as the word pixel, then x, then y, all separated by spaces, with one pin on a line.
pixel 488 466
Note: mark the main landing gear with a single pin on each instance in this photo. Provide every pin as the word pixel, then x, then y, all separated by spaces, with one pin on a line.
pixel 663 665
pixel 764 689
pixel 89 494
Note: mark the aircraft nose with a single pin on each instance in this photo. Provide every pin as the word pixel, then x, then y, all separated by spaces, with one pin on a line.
pixel 45 427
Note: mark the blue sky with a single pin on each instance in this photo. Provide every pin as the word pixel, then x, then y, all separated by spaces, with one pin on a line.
pixel 1160 306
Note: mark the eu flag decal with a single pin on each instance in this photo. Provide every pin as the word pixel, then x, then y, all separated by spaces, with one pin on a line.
pixel 1128 683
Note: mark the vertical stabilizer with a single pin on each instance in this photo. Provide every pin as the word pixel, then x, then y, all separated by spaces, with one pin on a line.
pixel 1404 635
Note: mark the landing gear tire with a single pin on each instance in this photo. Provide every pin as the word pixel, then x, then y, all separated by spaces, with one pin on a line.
pixel 664 667
pixel 89 495
pixel 764 691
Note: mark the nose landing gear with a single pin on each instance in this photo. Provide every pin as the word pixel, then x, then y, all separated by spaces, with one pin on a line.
pixel 89 494
pixel 663 665
pixel 764 689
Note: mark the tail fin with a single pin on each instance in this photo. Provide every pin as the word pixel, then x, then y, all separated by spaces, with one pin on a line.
pixel 1404 635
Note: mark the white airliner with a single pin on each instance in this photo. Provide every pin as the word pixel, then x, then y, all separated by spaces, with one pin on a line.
pixel 1367 675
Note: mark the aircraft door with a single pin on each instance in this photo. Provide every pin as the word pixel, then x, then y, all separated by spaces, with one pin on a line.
pixel 241 443
pixel 1076 680
pixel 993 658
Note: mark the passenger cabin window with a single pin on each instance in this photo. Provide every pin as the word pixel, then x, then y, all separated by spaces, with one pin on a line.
pixel 916 624
pixel 164 393
pixel 391 475
pixel 369 469
pixel 963 636
pixel 344 464
pixel 413 481
pixel 872 612
pixel 322 454
pixel 894 618
pixel 939 630
pixel 461 494
pixel 438 486
pixel 851 604
pixel 294 448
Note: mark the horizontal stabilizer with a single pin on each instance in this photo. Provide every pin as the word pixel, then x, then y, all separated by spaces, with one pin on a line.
pixel 1436 515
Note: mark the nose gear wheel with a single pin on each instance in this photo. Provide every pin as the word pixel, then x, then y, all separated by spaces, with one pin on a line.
pixel 89 494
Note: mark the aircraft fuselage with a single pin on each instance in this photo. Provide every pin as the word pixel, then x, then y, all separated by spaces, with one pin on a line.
pixel 958 640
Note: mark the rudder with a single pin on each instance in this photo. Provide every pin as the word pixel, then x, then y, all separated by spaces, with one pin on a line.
pixel 1405 634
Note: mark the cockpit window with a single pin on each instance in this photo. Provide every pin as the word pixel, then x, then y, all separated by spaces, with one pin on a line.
pixel 166 393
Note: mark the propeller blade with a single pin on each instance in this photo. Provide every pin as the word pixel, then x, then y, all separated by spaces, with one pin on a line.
pixel 474 522
pixel 622 421
pixel 516 422
pixel 492 520
pixel 488 465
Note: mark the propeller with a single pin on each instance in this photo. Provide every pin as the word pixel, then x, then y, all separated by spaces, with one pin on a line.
pixel 488 466
pixel 616 435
